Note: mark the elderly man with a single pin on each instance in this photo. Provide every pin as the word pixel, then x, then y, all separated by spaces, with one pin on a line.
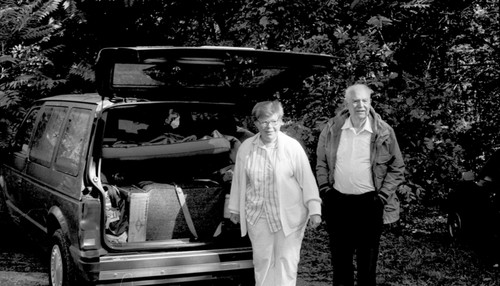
pixel 359 167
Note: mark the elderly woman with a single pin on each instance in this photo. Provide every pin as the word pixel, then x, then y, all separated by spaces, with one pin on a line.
pixel 273 195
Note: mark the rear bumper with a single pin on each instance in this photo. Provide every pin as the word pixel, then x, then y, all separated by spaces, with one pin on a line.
pixel 170 267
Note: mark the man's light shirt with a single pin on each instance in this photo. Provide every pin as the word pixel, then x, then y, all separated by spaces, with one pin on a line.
pixel 353 174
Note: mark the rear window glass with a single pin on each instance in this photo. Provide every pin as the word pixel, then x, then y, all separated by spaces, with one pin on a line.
pixel 148 123
pixel 23 135
pixel 72 145
pixel 47 134
pixel 192 76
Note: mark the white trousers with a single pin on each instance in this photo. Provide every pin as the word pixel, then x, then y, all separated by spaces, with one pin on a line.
pixel 275 257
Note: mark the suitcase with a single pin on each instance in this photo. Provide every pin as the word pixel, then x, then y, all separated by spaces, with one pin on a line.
pixel 190 212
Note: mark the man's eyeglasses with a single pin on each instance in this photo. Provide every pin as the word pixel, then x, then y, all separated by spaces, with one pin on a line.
pixel 271 123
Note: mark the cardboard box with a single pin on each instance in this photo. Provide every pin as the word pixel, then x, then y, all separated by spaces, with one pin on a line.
pixel 138 201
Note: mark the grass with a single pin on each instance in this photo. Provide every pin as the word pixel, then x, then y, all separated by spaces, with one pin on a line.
pixel 420 253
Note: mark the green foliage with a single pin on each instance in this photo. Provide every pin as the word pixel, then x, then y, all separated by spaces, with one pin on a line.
pixel 432 64
pixel 83 71
pixel 29 52
pixel 434 67
pixel 27 22
pixel 443 102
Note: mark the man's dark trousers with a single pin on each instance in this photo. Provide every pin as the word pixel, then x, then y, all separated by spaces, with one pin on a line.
pixel 354 223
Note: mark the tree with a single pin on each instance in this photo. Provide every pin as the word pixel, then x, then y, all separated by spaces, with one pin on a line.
pixel 432 64
pixel 29 44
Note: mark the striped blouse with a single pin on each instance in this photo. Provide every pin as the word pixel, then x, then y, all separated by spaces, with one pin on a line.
pixel 262 192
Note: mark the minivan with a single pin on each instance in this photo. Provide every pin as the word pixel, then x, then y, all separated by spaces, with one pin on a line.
pixel 129 185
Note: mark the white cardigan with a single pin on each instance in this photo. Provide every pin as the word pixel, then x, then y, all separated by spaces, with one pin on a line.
pixel 298 193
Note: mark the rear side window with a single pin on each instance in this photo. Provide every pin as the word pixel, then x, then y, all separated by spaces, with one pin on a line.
pixel 47 134
pixel 73 138
pixel 23 135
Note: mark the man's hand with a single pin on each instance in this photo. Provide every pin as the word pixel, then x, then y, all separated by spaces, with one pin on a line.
pixel 324 190
pixel 315 221
pixel 235 218
pixel 380 200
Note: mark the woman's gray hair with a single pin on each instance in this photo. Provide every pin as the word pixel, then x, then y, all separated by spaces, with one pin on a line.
pixel 267 108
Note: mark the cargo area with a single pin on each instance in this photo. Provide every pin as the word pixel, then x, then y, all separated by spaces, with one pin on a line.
pixel 151 211
pixel 166 171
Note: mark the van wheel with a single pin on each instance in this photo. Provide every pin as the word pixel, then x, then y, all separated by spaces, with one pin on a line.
pixel 61 266
pixel 455 227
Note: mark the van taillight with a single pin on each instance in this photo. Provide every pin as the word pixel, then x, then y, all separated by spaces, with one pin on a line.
pixel 90 224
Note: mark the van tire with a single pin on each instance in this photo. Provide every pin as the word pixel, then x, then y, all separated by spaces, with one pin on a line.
pixel 62 270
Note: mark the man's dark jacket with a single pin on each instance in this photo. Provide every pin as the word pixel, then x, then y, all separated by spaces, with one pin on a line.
pixel 385 156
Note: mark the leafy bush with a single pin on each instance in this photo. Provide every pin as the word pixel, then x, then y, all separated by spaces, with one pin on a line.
pixel 435 83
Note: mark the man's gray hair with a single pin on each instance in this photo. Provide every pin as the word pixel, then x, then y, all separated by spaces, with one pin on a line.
pixel 355 89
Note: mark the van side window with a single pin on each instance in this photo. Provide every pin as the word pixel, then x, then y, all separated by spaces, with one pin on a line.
pixel 72 142
pixel 47 134
pixel 24 132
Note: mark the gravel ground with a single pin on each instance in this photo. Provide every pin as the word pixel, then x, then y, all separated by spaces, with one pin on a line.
pixel 301 282
pixel 8 278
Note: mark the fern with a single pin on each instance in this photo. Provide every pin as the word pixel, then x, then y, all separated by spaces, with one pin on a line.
pixel 28 22
pixel 37 32
pixel 48 84
pixel 53 50
pixel 7 3
pixel 19 82
pixel 70 7
pixel 7 13
pixel 47 8
pixel 83 71
pixel 10 19
pixel 9 98
pixel 418 4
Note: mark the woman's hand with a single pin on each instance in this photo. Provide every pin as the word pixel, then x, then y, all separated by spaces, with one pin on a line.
pixel 235 218
pixel 315 221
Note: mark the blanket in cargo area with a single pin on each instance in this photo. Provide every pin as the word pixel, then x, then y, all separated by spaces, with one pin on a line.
pixel 165 217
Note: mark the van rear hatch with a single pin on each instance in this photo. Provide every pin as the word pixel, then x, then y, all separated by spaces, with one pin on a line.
pixel 222 74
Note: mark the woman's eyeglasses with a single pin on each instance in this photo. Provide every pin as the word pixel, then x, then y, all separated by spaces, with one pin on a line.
pixel 271 123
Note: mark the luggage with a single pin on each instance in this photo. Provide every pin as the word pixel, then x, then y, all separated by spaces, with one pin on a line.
pixel 164 211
